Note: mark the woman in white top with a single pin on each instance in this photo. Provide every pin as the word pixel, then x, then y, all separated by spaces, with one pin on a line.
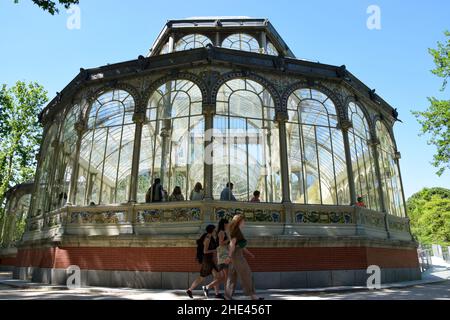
pixel 197 194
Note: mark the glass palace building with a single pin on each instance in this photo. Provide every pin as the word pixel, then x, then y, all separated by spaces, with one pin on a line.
pixel 216 100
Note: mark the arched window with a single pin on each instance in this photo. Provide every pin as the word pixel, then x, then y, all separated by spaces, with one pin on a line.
pixel 271 50
pixel 192 41
pixel 390 178
pixel 246 142
pixel 106 150
pixel 241 41
pixel 362 158
pixel 172 139
pixel 316 153
pixel 45 170
pixel 65 159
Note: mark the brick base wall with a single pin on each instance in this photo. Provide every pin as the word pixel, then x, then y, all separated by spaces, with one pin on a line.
pixel 8 261
pixel 183 259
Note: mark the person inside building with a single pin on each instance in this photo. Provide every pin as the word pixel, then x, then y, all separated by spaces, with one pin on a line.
pixel 256 196
pixel 197 194
pixel 155 193
pixel 176 195
pixel 360 202
pixel 227 193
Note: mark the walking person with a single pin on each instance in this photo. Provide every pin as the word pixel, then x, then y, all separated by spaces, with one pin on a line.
pixel 239 265
pixel 197 194
pixel 206 250
pixel 223 260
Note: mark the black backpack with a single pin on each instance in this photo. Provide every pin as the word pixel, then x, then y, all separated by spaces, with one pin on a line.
pixel 200 248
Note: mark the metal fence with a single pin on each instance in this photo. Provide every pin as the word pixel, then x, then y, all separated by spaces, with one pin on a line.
pixel 426 251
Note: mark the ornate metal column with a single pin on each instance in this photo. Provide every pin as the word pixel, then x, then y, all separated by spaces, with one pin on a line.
pixel 208 112
pixel 263 42
pixel 281 118
pixel 139 119
pixel 345 126
pixel 80 128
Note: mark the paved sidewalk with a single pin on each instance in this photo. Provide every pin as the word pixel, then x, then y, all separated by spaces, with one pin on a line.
pixel 16 289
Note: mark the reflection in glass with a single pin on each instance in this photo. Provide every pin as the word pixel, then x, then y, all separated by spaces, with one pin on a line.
pixel 246 142
pixel 316 154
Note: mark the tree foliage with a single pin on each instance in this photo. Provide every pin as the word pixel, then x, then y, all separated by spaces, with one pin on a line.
pixel 429 211
pixel 20 133
pixel 51 6
pixel 435 120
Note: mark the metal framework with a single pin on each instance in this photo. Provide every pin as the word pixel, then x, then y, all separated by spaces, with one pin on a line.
pixel 314 134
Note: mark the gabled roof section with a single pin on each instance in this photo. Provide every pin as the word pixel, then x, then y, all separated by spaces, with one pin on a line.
pixel 221 25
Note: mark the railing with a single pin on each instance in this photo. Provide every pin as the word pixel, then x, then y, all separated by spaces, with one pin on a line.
pixel 190 216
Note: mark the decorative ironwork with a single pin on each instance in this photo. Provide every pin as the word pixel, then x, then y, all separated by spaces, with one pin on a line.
pixel 252 215
pixel 398 224
pixel 169 215
pixel 109 217
pixel 36 225
pixel 324 217
pixel 52 221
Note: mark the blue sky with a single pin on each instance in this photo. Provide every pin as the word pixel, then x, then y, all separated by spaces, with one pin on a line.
pixel 36 46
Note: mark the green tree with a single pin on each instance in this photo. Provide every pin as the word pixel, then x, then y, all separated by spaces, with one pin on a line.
pixel 429 211
pixel 435 120
pixel 20 134
pixel 51 6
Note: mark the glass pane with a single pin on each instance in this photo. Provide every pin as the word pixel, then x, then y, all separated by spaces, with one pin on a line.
pixel 107 150
pixel 316 155
pixel 172 148
pixel 246 143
